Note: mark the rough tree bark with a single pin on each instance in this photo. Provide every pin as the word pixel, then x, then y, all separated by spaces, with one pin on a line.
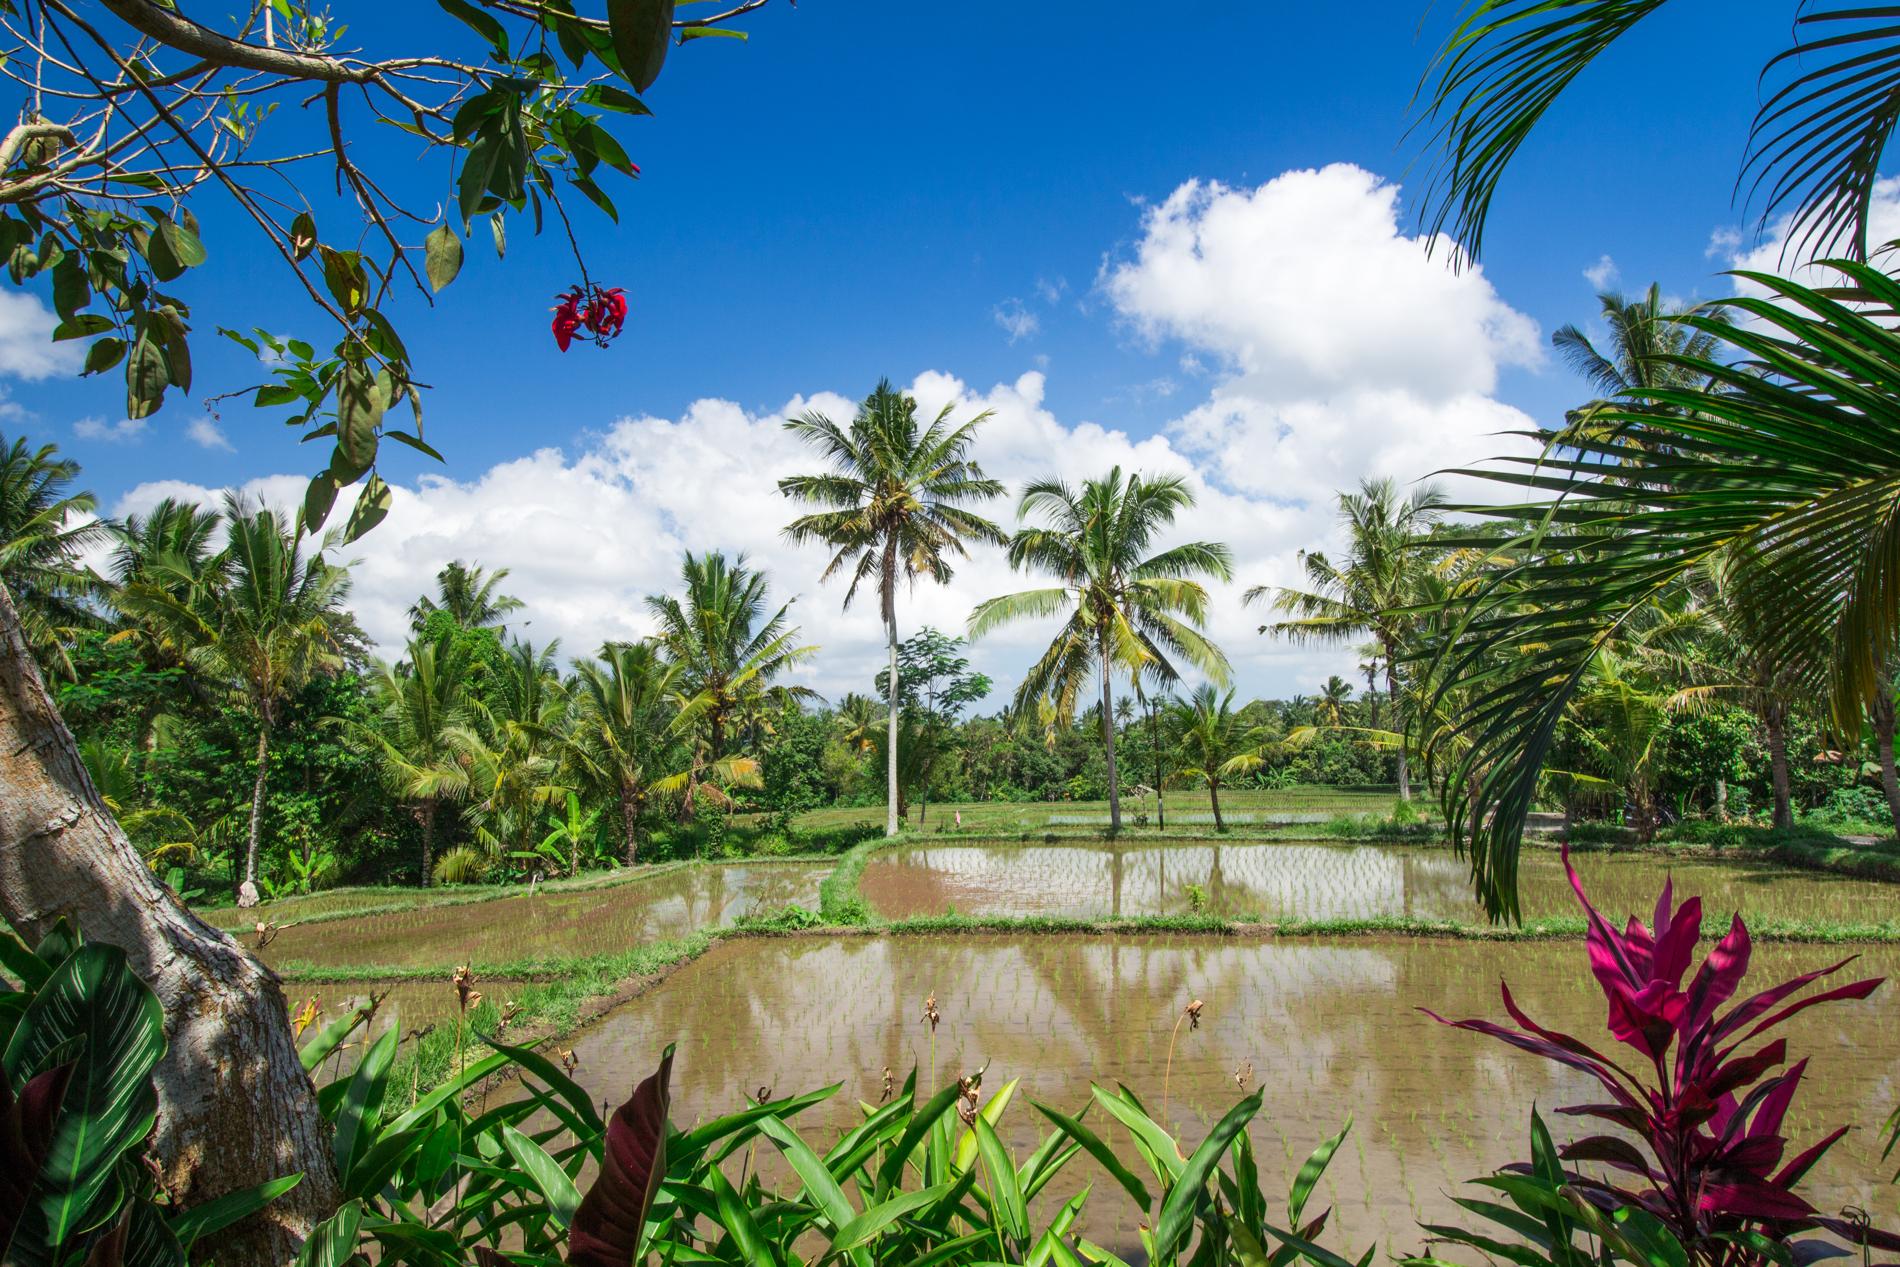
pixel 1392 689
pixel 426 813
pixel 1213 798
pixel 1775 716
pixel 630 824
pixel 235 1106
pixel 247 891
pixel 1883 718
pixel 887 593
pixel 1108 742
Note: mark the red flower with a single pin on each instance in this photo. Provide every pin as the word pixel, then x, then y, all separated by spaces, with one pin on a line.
pixel 602 313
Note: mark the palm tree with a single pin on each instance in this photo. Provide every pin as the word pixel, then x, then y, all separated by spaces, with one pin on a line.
pixel 470 596
pixel 270 621
pixel 45 529
pixel 1333 700
pixel 1649 347
pixel 897 505
pixel 857 717
pixel 418 708
pixel 1371 587
pixel 631 736
pixel 1127 610
pixel 509 748
pixel 726 645
pixel 1212 743
pixel 180 535
pixel 1823 123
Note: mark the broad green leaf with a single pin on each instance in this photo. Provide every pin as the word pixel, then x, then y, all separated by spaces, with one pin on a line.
pixel 361 1110
pixel 1178 1208
pixel 1104 1155
pixel 544 1173
pixel 372 507
pixel 333 1241
pixel 869 1224
pixel 1310 1172
pixel 991 1112
pixel 219 1213
pixel 441 256
pixel 642 32
pixel 1006 1194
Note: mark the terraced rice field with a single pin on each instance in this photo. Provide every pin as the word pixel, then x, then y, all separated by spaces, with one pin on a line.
pixel 1328 1028
pixel 1186 812
pixel 1310 880
pixel 548 926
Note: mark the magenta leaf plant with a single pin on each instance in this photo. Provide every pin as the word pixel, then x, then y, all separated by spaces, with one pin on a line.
pixel 1698 1092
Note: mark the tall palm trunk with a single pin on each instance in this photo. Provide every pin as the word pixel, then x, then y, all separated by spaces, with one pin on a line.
pixel 1108 744
pixel 247 891
pixel 235 1106
pixel 887 585
pixel 1213 798
pixel 1883 718
pixel 1154 742
pixel 1776 718
pixel 1392 689
pixel 629 823
pixel 425 815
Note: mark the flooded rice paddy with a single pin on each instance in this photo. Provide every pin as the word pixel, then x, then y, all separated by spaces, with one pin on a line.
pixel 554 925
pixel 1328 1028
pixel 1316 880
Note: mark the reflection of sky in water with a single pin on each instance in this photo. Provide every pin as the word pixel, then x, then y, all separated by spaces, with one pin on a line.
pixel 1328 1028
pixel 554 925
pixel 1326 881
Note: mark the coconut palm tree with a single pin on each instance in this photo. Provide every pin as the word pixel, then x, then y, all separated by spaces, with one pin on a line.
pixel 45 529
pixel 1370 588
pixel 1334 697
pixel 726 645
pixel 271 619
pixel 510 749
pixel 632 731
pixel 1126 610
pixel 897 505
pixel 857 717
pixel 181 535
pixel 471 596
pixel 1212 743
pixel 418 707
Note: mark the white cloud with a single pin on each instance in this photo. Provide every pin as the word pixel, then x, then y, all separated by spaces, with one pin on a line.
pixel 123 431
pixel 1603 274
pixel 26 346
pixel 1347 350
pixel 1051 290
pixel 1775 252
pixel 207 434
pixel 1016 319
pixel 587 535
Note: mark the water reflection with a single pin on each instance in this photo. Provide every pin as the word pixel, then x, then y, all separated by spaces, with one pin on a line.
pixel 553 925
pixel 1328 1028
pixel 1326 881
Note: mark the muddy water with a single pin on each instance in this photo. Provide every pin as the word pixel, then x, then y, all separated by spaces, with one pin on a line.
pixel 1329 881
pixel 1327 1027
pixel 552 925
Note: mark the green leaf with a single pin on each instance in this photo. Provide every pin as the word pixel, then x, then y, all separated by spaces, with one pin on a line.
pixel 1178 1208
pixel 1095 1147
pixel 104 354
pixel 873 1221
pixel 358 1117
pixel 344 275
pixel 414 442
pixel 1310 1172
pixel 498 229
pixel 333 1240
pixel 544 1174
pixel 755 1249
pixel 146 373
pixel 1006 1194
pixel 93 999
pixel 609 97
pixel 483 25
pixel 442 256
pixel 219 1213
pixel 826 1195
pixel 303 236
pixel 642 32
pixel 372 507
pixel 71 291
pixel 359 412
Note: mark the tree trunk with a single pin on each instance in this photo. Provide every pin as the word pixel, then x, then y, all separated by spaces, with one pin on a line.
pixel 1721 800
pixel 888 584
pixel 235 1106
pixel 1213 797
pixel 247 891
pixel 629 825
pixel 1392 689
pixel 1776 718
pixel 1883 718
pixel 427 816
pixel 1154 741
pixel 1108 742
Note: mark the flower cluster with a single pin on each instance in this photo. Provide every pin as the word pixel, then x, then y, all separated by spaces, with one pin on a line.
pixel 1703 1143
pixel 600 313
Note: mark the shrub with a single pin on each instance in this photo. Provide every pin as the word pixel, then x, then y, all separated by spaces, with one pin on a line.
pixel 1707 1170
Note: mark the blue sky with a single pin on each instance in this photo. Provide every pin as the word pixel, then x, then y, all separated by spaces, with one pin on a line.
pixel 970 192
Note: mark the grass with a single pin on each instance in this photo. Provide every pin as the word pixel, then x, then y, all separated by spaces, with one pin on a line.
pixel 1801 846
pixel 1008 818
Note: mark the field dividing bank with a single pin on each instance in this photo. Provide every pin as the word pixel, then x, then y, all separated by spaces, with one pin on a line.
pixel 1183 807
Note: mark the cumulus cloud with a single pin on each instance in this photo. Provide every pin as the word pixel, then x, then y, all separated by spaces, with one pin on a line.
pixel 26 346
pixel 1345 350
pixel 587 535
pixel 207 434
pixel 121 432
pixel 1776 251
pixel 1016 319
pixel 1603 274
